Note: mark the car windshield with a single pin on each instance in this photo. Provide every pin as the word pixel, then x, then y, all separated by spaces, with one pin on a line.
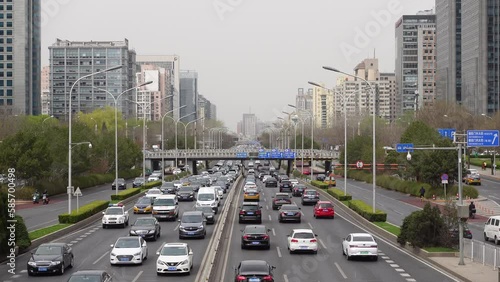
pixel 362 238
pixel 144 201
pixel 127 243
pixel 139 179
pixel 206 197
pixel 192 218
pixel 114 211
pixel 186 189
pixel 154 191
pixel 310 192
pixel 206 210
pixel 303 235
pixel 250 268
pixel 249 207
pixel 289 208
pixel 164 202
pixel 326 206
pixel 49 250
pixel 255 230
pixel 173 251
pixel 252 191
pixel 85 278
pixel 168 185
pixel 144 222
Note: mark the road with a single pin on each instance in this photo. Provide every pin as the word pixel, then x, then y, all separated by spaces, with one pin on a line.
pixel 91 247
pixel 329 264
pixel 37 216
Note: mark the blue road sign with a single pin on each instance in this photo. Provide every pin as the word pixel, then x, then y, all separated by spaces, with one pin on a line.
pixel 242 155
pixel 263 154
pixel 404 147
pixel 444 176
pixel 447 132
pixel 482 138
pixel 289 155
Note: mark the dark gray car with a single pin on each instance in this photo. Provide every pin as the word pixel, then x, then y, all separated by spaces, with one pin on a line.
pixel 208 212
pixel 192 225
pixel 122 185
pixel 289 213
pixel 146 227
pixel 168 188
pixel 186 193
pixel 310 197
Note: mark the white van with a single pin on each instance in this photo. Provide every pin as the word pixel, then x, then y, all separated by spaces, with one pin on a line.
pixel 207 197
pixel 492 229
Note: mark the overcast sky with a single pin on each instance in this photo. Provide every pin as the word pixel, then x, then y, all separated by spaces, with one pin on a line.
pixel 251 55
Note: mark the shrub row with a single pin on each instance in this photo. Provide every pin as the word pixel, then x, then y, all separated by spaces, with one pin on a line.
pixel 339 194
pixel 125 194
pixel 319 184
pixel 366 211
pixel 84 212
pixel 22 236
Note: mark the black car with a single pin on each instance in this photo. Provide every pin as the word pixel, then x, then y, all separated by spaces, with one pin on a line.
pixel 289 213
pixel 271 182
pixel 168 188
pixel 208 212
pixel 285 186
pixel 309 197
pixel 255 236
pixel 90 276
pixel 122 185
pixel 138 182
pixel 146 227
pixel 281 199
pixel 254 270
pixel 50 258
pixel 454 232
pixel 320 177
pixel 298 190
pixel 186 193
pixel 250 211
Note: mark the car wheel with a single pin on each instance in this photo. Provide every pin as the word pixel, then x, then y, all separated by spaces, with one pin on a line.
pixel 315 252
pixel 299 221
pixel 486 237
pixel 314 215
pixel 180 237
pixel 496 240
pixel 291 252
pixel 146 257
pixel 61 271
pixel 242 246
pixel 260 221
pixel 30 274
pixel 343 251
pixel 71 262
pixel 375 258
pixel 104 226
pixel 347 255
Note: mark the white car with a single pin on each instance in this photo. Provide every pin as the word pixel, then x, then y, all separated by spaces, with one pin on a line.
pixel 361 245
pixel 153 193
pixel 302 240
pixel 128 250
pixel 176 171
pixel 294 182
pixel 115 215
pixel 165 207
pixel 219 191
pixel 249 185
pixel 174 258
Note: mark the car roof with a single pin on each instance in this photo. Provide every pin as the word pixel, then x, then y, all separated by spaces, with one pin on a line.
pixel 361 234
pixel 250 203
pixel 89 272
pixel 290 205
pixel 192 213
pixel 53 245
pixel 303 231
pixel 254 262
pixel 175 245
pixel 166 197
pixel 325 202
pixel 281 194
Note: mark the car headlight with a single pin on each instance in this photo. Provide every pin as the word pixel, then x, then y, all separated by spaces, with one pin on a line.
pixel 113 255
pixel 137 254
pixel 181 227
pixel 151 231
pixel 184 262
pixel 201 227
pixel 56 262
pixel 213 204
pixel 210 216
pixel 161 262
pixel 32 263
pixel 133 232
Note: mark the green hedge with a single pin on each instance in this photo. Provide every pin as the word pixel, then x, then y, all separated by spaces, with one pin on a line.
pixel 366 211
pixel 22 236
pixel 319 184
pixel 127 193
pixel 339 194
pixel 149 185
pixel 84 212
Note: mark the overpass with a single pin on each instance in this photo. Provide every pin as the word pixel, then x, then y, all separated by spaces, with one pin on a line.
pixel 155 158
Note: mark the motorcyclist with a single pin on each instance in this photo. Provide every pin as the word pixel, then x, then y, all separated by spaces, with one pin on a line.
pixel 36 196
pixel 472 210
pixel 45 197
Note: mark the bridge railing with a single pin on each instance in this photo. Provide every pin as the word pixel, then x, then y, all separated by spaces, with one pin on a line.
pixel 229 153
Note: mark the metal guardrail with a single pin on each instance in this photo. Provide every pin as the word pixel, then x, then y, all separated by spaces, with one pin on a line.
pixel 231 153
pixel 482 253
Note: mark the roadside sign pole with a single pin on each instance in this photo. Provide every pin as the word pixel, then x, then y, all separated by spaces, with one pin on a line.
pixel 460 201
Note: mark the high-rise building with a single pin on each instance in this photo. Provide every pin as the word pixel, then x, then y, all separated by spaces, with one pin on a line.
pixel 171 66
pixel 249 126
pixel 45 90
pixel 468 54
pixel 415 61
pixel 304 100
pixel 20 57
pixel 322 107
pixel 213 111
pixel 188 95
pixel 152 97
pixel 206 107
pixel 71 60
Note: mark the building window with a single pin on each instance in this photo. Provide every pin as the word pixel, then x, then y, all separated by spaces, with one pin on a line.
pixel 9 24
pixel 9 102
pixel 9 82
pixel 9 7
pixel 1 102
pixel 9 15
pixel 9 92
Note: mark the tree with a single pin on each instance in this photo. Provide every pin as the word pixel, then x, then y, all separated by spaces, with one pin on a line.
pixel 424 228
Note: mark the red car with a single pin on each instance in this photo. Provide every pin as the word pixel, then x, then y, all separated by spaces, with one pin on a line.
pixel 306 171
pixel 324 209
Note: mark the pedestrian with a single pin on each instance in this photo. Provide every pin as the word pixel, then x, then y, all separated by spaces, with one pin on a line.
pixel 484 165
pixel 422 193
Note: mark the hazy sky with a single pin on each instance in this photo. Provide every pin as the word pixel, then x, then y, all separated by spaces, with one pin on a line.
pixel 251 55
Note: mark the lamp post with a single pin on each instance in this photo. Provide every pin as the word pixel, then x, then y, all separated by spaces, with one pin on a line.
pixel 47 118
pixel 95 124
pixel 176 147
pixel 70 110
pixel 302 160
pixel 374 160
pixel 185 136
pixel 295 119
pixel 115 99
pixel 162 139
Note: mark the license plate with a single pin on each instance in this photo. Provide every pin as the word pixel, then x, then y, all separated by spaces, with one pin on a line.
pixel 255 243
pixel 311 196
pixel 172 268
pixel 365 253
pixel 250 213
pixel 42 269
pixel 290 213
pixel 303 247
pixel 251 194
pixel 325 210
pixel 123 259
pixel 253 279
pixel 190 233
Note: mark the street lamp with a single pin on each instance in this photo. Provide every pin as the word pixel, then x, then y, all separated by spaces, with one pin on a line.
pixel 70 110
pixel 374 161
pixel 47 118
pixel 115 99
pixel 185 137
pixel 295 119
pixel 95 124
pixel 312 138
pixel 162 139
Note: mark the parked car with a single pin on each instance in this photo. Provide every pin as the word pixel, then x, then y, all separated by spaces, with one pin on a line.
pixel 254 270
pixel 50 258
pixel 302 240
pixel 250 211
pixel 360 245
pixel 122 185
pixel 146 227
pixel 255 236
pixel 128 250
pixel 289 213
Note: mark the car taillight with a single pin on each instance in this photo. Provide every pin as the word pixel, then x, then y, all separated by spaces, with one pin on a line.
pixel 313 241
pixel 267 278
pixel 241 278
pixel 373 246
pixel 245 237
pixel 242 212
pixel 283 213
pixel 353 246
pixel 295 241
pixel 257 212
pixel 265 237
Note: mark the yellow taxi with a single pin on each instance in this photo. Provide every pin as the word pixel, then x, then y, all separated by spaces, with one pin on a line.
pixel 144 205
pixel 472 177
pixel 330 180
pixel 251 195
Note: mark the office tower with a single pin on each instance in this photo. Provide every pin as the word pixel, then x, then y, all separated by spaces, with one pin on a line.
pixel 188 95
pixel 249 126
pixel 45 90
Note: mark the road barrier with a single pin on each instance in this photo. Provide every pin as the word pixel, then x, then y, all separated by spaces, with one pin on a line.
pixel 482 252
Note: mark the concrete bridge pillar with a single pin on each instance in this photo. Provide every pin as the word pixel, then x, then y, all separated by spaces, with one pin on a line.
pixel 195 167
pixel 289 167
pixel 328 165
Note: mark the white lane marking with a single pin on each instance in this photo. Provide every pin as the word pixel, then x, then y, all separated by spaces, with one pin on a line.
pixel 70 244
pixel 269 217
pixel 385 257
pixel 491 196
pixel 15 276
pixel 411 280
pixel 23 271
pixel 400 270
pixel 310 225
pixel 285 277
pixel 389 261
pixel 394 265
pixel 340 270
pixel 265 200
pixel 176 227
pixel 74 242
pixel 137 276
pixel 88 233
pixel 279 251
pixel 79 239
pixel 274 232
pixel 267 207
pixel 322 244
pixel 405 274
pixel 97 260
pixel 157 251
pixel 83 236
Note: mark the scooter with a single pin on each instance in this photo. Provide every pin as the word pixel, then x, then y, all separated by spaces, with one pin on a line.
pixel 45 200
pixel 36 198
pixel 472 213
